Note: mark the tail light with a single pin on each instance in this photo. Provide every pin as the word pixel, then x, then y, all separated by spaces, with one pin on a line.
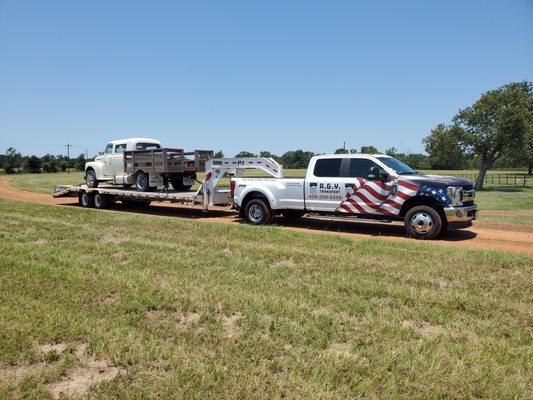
pixel 232 187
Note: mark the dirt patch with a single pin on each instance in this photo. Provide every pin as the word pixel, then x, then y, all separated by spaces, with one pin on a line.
pixel 178 319
pixel 284 262
pixel 424 329
pixel 41 241
pixel 114 240
pixel 86 372
pixel 231 325
pixel 341 350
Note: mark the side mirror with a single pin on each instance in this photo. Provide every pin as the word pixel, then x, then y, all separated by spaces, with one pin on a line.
pixel 101 153
pixel 374 173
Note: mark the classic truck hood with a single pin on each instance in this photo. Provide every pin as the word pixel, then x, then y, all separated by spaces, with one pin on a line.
pixel 438 180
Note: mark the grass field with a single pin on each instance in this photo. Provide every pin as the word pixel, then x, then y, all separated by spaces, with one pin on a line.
pixel 492 198
pixel 174 308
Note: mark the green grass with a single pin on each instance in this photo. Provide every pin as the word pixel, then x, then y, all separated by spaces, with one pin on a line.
pixel 187 309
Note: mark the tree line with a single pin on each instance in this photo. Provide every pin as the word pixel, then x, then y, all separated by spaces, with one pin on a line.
pixel 495 132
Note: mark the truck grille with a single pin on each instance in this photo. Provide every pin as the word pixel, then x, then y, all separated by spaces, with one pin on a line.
pixel 468 196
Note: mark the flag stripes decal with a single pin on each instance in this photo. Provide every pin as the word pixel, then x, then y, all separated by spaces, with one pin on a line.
pixel 369 197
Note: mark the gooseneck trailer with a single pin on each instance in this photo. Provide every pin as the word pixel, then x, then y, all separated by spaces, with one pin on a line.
pixel 208 194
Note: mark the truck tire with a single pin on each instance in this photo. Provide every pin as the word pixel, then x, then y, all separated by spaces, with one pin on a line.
pixel 90 179
pixel 177 184
pixel 143 183
pixel 423 222
pixel 258 212
pixel 86 199
pixel 100 201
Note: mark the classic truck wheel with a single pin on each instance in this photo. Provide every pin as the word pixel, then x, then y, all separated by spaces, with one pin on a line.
pixel 258 212
pixel 177 184
pixel 143 183
pixel 90 179
pixel 423 222
pixel 100 201
pixel 85 199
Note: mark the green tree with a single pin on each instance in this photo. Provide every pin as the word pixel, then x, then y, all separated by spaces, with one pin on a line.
pixel 369 150
pixel 33 164
pixel 219 154
pixel 495 124
pixel 341 150
pixel 296 159
pixel 244 154
pixel 79 162
pixel 13 160
pixel 443 148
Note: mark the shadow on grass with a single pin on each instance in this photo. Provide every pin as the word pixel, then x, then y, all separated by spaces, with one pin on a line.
pixel 504 189
pixel 353 226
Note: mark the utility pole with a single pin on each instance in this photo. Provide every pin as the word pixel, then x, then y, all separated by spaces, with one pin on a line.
pixel 344 145
pixel 68 157
pixel 86 154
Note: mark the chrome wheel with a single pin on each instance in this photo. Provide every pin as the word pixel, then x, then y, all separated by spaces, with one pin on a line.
pixel 256 213
pixel 422 223
pixel 142 181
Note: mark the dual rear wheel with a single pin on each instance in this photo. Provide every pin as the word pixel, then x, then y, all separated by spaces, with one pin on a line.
pixel 95 200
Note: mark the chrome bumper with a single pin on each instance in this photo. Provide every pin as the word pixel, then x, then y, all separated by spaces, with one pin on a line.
pixel 460 214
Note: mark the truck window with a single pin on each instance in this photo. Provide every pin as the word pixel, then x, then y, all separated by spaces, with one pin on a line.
pixel 120 148
pixel 359 167
pixel 328 167
pixel 109 149
pixel 147 146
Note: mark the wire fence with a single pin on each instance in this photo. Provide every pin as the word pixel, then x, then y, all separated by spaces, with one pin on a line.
pixel 521 180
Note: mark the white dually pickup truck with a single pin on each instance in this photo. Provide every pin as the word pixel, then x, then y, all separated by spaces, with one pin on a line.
pixel 366 186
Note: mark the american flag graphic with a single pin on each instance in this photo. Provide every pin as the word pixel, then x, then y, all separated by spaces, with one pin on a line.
pixel 374 197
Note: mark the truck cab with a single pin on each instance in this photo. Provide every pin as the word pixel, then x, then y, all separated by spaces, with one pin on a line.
pixel 370 186
pixel 109 164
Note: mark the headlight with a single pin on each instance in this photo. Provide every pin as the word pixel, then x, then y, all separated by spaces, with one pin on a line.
pixel 456 195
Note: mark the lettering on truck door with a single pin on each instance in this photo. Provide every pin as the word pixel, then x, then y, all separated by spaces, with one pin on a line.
pixel 324 187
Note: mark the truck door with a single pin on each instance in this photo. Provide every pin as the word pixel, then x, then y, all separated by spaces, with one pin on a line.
pixel 107 167
pixel 364 189
pixel 324 186
pixel 117 160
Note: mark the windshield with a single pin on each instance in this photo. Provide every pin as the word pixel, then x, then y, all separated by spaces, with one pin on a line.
pixel 399 167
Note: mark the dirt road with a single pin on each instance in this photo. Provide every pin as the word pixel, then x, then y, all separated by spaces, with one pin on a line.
pixel 483 235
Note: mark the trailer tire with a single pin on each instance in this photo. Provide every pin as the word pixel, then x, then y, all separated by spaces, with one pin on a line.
pixel 86 199
pixel 423 222
pixel 100 201
pixel 177 184
pixel 258 212
pixel 90 178
pixel 143 183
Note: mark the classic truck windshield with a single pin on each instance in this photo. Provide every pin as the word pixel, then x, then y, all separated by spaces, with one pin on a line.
pixel 399 167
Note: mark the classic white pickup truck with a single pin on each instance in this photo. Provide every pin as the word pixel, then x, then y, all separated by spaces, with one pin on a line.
pixel 363 186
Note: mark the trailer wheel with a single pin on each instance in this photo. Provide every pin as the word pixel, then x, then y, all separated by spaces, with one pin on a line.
pixel 143 183
pixel 258 212
pixel 90 178
pixel 423 222
pixel 85 199
pixel 100 201
pixel 177 184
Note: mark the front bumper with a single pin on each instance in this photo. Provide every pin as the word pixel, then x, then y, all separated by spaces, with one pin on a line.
pixel 460 217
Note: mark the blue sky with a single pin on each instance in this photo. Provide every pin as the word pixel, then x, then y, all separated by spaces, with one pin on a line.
pixel 250 75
